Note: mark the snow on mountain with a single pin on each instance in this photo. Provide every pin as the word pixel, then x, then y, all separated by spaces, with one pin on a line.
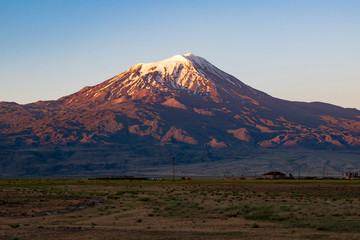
pixel 191 64
pixel 176 72
pixel 161 99
pixel 187 74
pixel 182 104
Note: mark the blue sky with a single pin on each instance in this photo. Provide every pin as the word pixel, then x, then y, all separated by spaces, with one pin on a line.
pixel 295 50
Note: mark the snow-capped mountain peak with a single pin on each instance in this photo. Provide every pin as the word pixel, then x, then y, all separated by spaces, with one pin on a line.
pixel 180 72
pixel 196 59
pixel 169 64
pixel 186 74
pixel 188 58
pixel 181 99
pixel 191 72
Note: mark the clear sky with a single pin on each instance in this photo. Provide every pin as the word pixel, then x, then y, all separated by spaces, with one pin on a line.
pixel 295 50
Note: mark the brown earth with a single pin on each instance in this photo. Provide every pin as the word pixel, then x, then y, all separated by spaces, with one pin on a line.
pixel 195 209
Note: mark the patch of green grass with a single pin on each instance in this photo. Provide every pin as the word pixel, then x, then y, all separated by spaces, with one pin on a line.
pixel 144 199
pixel 15 237
pixel 124 216
pixel 265 213
pixel 255 225
pixel 14 225
pixel 34 183
pixel 61 222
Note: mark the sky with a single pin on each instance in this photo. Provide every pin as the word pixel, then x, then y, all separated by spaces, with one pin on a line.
pixel 294 50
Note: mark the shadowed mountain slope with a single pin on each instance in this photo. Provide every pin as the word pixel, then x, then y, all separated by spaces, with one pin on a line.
pixel 182 101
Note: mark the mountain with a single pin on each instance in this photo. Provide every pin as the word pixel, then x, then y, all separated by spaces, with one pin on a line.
pixel 182 106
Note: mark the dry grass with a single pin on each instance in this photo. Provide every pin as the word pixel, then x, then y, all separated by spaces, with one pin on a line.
pixel 199 209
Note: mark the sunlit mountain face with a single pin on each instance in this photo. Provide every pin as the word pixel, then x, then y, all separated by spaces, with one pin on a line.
pixel 182 101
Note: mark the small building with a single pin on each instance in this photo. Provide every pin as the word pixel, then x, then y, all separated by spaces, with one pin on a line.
pixel 186 178
pixel 351 175
pixel 274 175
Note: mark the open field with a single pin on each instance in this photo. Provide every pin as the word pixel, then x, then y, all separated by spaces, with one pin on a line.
pixel 196 209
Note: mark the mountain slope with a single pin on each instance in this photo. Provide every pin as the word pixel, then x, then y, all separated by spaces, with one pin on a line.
pixel 182 101
pixel 179 74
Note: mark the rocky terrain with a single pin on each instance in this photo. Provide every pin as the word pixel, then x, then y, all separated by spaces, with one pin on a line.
pixel 182 106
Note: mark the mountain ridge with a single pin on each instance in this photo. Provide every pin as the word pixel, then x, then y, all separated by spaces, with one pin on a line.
pixel 183 101
pixel 190 83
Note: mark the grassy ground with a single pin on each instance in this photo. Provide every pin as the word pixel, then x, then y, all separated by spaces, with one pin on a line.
pixel 196 209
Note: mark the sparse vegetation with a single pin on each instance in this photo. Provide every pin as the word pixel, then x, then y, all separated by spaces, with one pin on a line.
pixel 36 208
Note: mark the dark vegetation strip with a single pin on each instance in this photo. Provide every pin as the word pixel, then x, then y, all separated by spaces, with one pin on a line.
pixel 42 182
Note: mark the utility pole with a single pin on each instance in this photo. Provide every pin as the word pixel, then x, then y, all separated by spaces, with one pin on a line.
pixel 173 158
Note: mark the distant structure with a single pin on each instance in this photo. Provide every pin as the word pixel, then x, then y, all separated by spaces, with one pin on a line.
pixel 274 175
pixel 351 175
pixel 186 178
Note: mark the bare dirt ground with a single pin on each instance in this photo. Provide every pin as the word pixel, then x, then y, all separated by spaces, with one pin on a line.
pixel 196 209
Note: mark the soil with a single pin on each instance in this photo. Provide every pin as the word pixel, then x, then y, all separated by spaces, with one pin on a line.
pixel 195 209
